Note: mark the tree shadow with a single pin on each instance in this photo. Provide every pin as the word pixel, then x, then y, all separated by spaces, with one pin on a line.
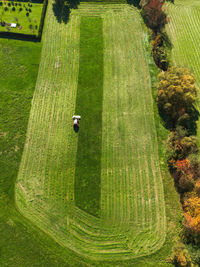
pixel 73 3
pixel 135 3
pixel 62 10
pixel 191 124
pixel 167 121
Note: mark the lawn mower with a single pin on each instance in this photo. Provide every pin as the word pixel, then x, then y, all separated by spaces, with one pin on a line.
pixel 76 119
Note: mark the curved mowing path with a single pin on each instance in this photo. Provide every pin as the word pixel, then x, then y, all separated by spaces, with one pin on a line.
pixel 132 208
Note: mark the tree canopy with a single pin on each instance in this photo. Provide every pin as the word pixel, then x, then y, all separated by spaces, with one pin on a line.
pixel 176 92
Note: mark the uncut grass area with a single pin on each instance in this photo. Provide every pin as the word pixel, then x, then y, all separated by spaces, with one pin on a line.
pixel 21 244
pixel 27 16
pixel 89 106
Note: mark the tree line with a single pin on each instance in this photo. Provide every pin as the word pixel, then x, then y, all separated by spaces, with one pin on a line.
pixel 176 101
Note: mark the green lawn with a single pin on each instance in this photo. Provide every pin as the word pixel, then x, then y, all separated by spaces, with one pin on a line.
pixel 21 18
pixel 89 106
pixel 21 244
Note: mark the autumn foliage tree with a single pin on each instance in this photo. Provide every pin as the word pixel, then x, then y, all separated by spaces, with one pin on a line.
pixel 159 52
pixel 176 93
pixel 153 14
pixel 191 208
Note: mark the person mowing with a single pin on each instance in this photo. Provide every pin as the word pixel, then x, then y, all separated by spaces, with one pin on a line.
pixel 76 119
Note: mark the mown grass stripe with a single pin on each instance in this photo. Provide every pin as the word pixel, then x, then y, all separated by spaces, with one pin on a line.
pixel 89 106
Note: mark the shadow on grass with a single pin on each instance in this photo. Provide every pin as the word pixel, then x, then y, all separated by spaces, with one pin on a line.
pixel 62 10
pixel 19 36
pixel 135 3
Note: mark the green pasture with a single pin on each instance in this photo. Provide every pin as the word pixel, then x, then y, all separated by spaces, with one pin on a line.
pixel 132 220
pixel 29 24
pixel 89 105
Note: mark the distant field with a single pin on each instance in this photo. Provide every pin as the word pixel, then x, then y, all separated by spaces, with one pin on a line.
pixel 183 29
pixel 29 24
pixel 131 205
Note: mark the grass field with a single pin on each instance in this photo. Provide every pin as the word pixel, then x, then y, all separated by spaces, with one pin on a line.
pixel 132 219
pixel 24 21
pixel 21 244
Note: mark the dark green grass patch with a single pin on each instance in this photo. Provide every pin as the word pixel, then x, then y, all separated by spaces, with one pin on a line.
pixel 89 106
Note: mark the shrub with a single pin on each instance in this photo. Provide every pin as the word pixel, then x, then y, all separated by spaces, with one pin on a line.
pixel 6 8
pixel 9 4
pixel 1 3
pixel 180 256
pixel 20 9
pixel 27 14
pixel 180 147
pixel 29 10
pixel 159 53
pixel 13 8
pixel 183 177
